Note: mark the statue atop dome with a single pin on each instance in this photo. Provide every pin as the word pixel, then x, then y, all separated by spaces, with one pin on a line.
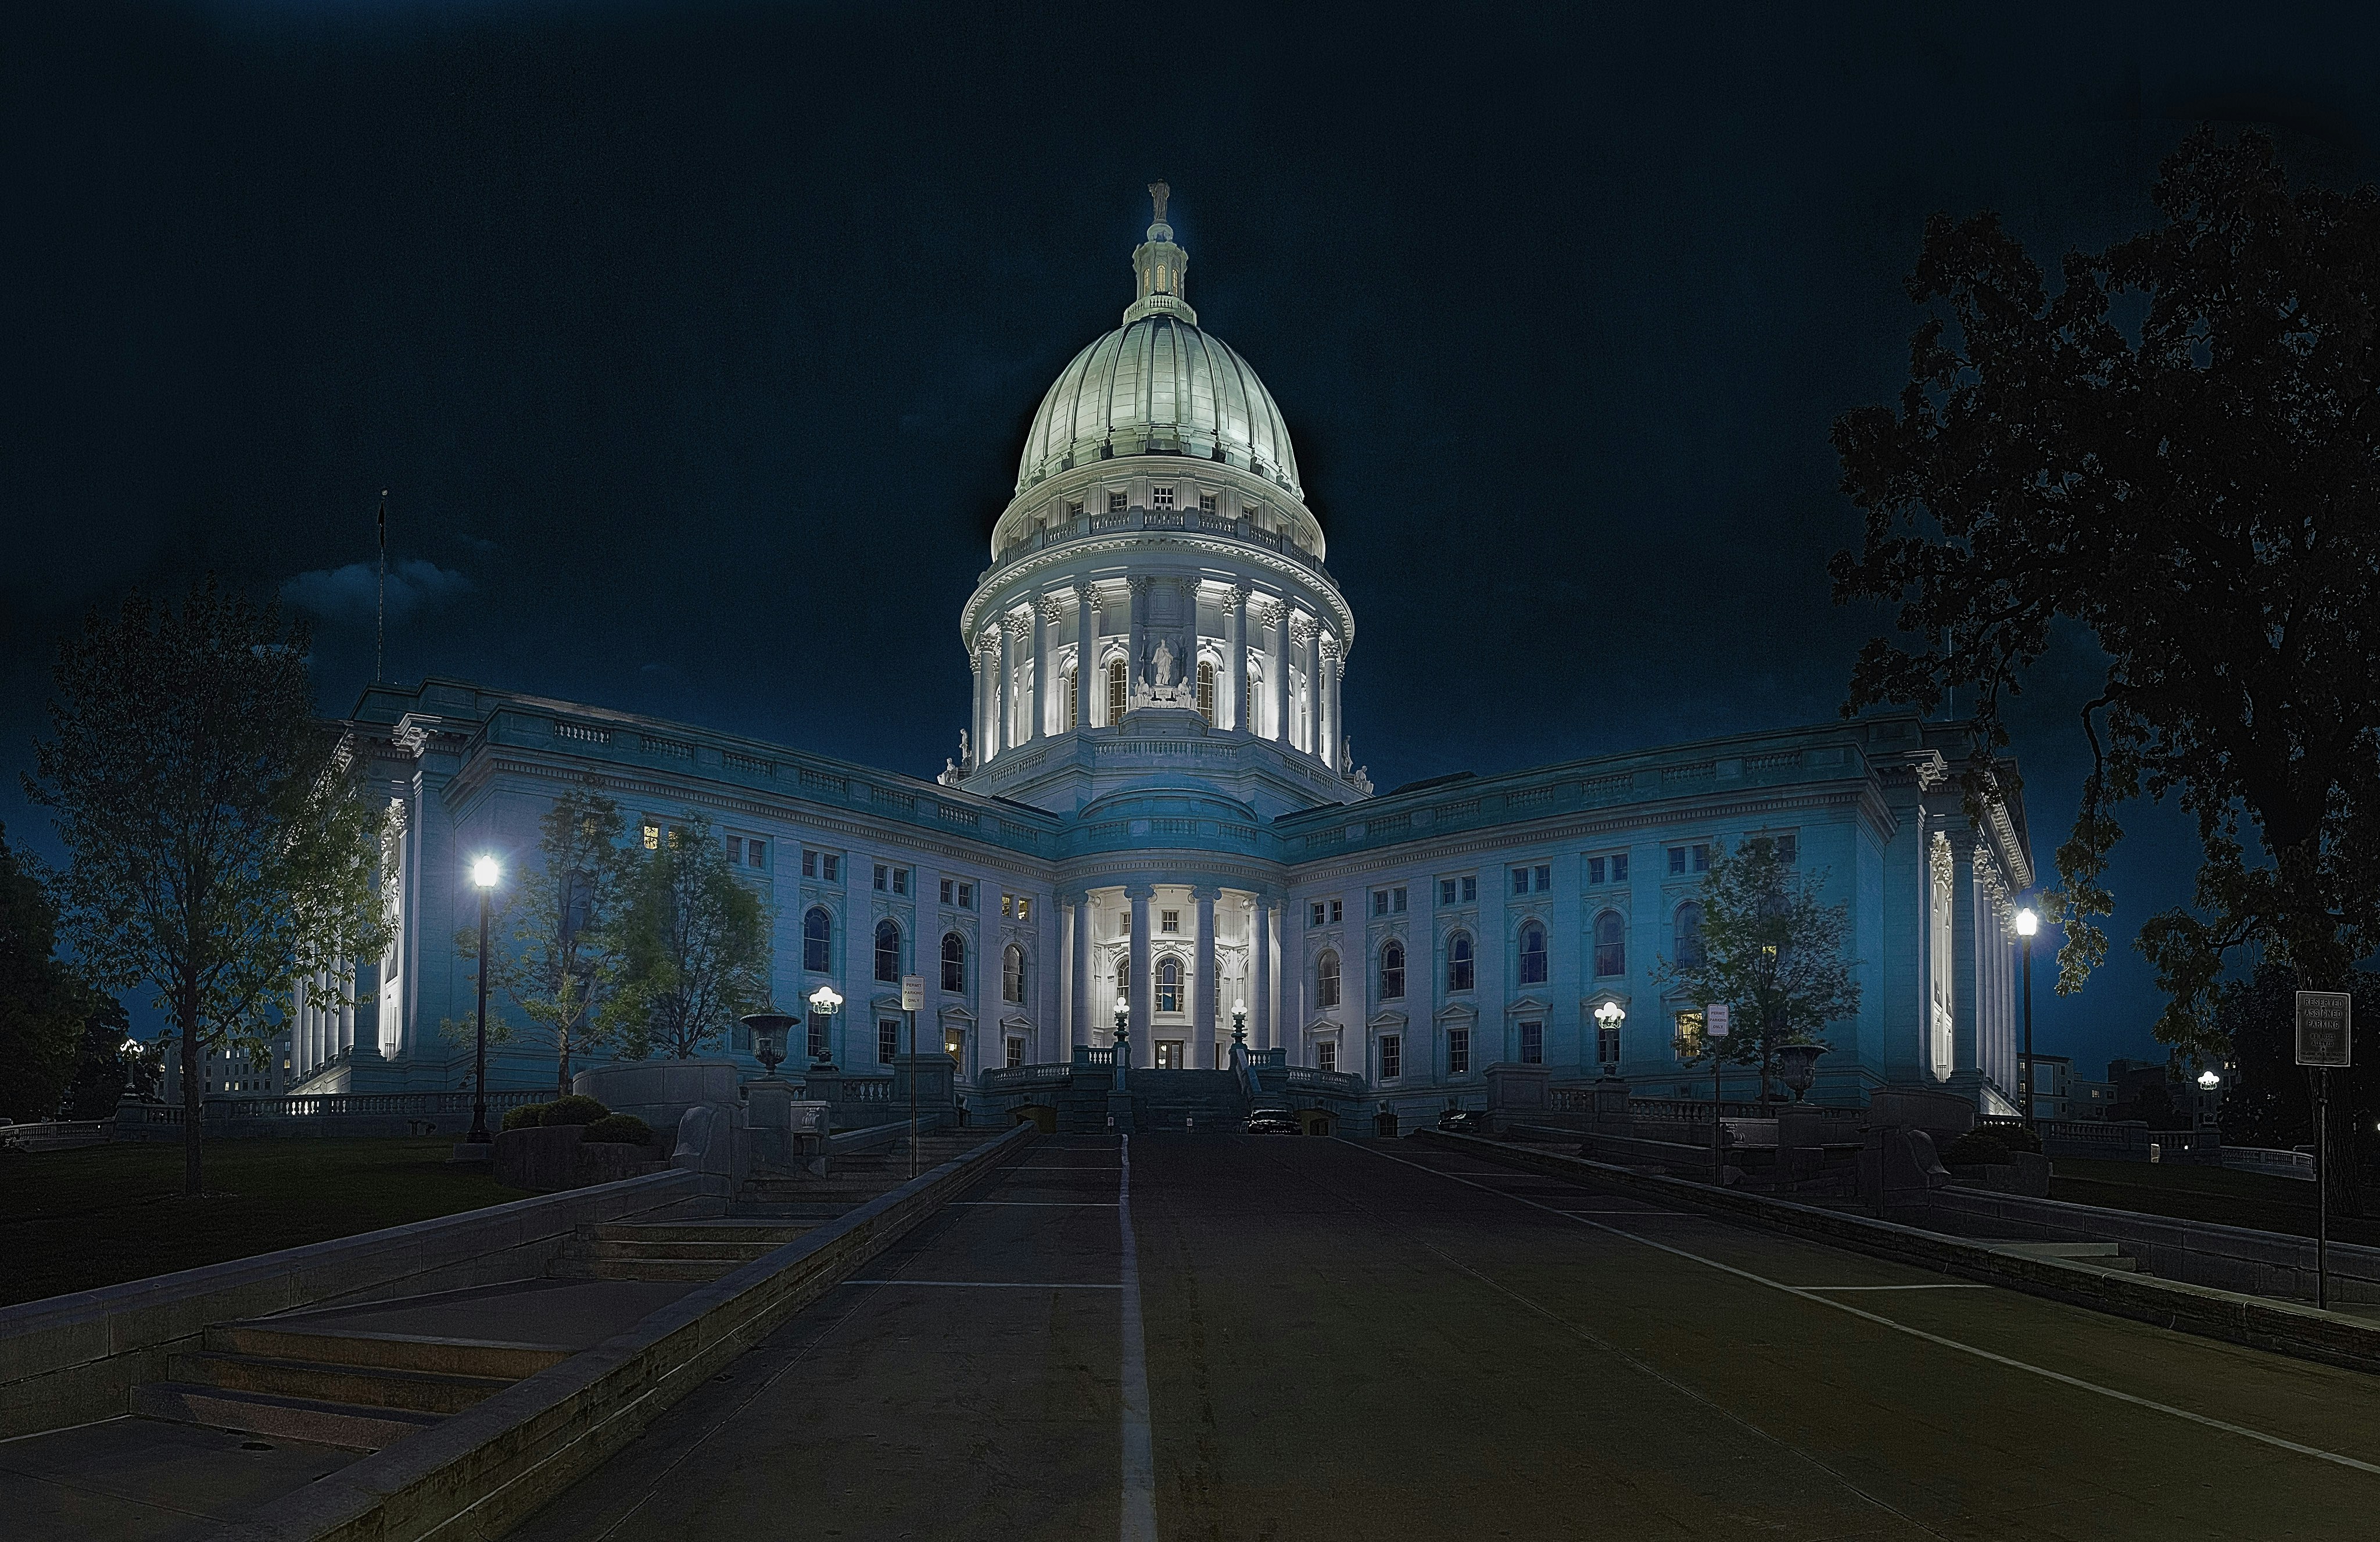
pixel 1158 193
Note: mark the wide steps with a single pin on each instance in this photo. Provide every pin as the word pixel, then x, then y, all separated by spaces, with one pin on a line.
pixel 2106 1256
pixel 402 1351
pixel 696 1271
pixel 353 1426
pixel 702 1231
pixel 362 1385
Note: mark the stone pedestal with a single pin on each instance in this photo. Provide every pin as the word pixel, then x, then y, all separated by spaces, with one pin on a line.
pixel 1516 1092
pixel 1611 1098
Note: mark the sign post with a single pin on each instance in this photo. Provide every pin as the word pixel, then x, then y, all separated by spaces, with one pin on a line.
pixel 1714 1030
pixel 2325 1024
pixel 913 996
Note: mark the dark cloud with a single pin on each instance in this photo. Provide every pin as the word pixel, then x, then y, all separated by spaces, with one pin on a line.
pixel 352 593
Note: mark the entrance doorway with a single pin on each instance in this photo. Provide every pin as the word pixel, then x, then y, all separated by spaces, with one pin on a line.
pixel 1169 1054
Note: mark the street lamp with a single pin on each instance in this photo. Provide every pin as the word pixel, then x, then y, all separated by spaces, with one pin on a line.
pixel 825 1002
pixel 1609 1016
pixel 485 873
pixel 2207 1082
pixel 1239 1026
pixel 2028 923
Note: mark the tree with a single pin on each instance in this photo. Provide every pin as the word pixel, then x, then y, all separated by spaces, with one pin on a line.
pixel 563 922
pixel 102 1069
pixel 695 946
pixel 219 851
pixel 1772 950
pixel 2200 490
pixel 41 1003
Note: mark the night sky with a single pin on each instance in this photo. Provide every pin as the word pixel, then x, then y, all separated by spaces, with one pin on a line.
pixel 696 343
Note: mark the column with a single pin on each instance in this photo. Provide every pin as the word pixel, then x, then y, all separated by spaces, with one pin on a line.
pixel 1338 724
pixel 1236 659
pixel 1263 1028
pixel 1139 623
pixel 1123 628
pixel 1277 670
pixel 997 740
pixel 1044 617
pixel 1326 715
pixel 1087 997
pixel 974 732
pixel 1309 648
pixel 1144 1053
pixel 1086 645
pixel 1203 991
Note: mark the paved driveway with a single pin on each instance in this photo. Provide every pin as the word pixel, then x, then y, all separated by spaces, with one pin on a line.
pixel 1383 1339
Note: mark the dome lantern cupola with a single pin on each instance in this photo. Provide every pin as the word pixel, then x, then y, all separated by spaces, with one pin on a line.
pixel 1163 268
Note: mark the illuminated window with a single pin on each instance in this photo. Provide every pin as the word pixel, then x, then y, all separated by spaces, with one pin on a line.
pixel 1206 693
pixel 1168 920
pixel 1072 707
pixel 652 838
pixel 1326 980
pixel 1160 497
pixel 1115 691
pixel 1012 975
pixel 1169 985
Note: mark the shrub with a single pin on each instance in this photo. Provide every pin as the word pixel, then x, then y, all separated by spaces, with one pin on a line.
pixel 529 1116
pixel 621 1130
pixel 2016 1137
pixel 1976 1148
pixel 574 1110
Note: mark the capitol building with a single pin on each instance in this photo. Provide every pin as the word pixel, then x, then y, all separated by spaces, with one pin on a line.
pixel 1155 803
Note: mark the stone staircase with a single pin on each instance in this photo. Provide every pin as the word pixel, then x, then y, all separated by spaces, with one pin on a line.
pixel 358 1390
pixel 695 1252
pixel 1194 1099
pixel 2106 1256
pixel 857 1177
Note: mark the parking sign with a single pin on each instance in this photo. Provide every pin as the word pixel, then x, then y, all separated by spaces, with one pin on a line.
pixel 2326 1027
pixel 913 993
pixel 1715 1020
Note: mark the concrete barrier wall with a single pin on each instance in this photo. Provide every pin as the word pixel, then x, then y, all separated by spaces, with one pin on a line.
pixel 483 1471
pixel 2283 1327
pixel 70 1359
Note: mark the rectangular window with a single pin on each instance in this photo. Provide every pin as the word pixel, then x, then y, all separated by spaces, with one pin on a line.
pixel 1607 1043
pixel 1532 1044
pixel 1075 509
pixel 1379 901
pixel 949 891
pixel 1397 900
pixel 1392 1057
pixel 1115 503
pixel 1008 904
pixel 652 838
pixel 1168 922
pixel 1025 907
pixel 1326 1056
pixel 1160 497
pixel 1458 1052
pixel 1470 889
pixel 810 863
pixel 1016 1052
pixel 1520 880
pixel 1544 873
pixel 1702 859
pixel 1335 913
pixel 899 880
pixel 883 877
pixel 1619 867
pixel 1314 914
pixel 1685 859
pixel 1595 870
pixel 1206 503
pixel 818 1036
pixel 888 1039
pixel 967 896
pixel 1787 846
pixel 1446 891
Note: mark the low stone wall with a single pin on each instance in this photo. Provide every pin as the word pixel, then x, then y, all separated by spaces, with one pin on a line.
pixel 481 1472
pixel 2283 1327
pixel 70 1359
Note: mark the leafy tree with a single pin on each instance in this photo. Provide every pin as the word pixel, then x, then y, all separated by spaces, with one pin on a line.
pixel 563 919
pixel 219 851
pixel 41 1002
pixel 2200 490
pixel 2269 1100
pixel 102 1069
pixel 695 946
pixel 1772 950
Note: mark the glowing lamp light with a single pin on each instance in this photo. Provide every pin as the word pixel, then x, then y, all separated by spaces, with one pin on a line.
pixel 2027 922
pixel 2208 1080
pixel 826 1001
pixel 484 871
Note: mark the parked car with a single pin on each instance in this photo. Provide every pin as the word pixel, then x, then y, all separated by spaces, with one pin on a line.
pixel 1465 1122
pixel 1272 1122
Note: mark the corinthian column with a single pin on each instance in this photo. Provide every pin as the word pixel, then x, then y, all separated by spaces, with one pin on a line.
pixel 1235 661
pixel 997 740
pixel 1203 991
pixel 1327 704
pixel 1140 589
pixel 1264 1029
pixel 1301 643
pixel 1277 670
pixel 1144 1053
pixel 1086 645
pixel 1046 611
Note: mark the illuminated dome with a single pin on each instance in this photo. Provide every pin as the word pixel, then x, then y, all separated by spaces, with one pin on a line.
pixel 1157 386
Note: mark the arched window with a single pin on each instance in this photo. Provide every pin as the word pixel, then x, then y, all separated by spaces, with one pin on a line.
pixel 1207 691
pixel 1610 945
pixel 1392 972
pixel 1689 929
pixel 887 950
pixel 817 940
pixel 1460 972
pixel 1169 984
pixel 1326 980
pixel 1012 975
pixel 1072 704
pixel 953 962
pixel 1532 955
pixel 1115 692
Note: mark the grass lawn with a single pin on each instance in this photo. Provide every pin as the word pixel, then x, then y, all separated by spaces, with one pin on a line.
pixel 2216 1195
pixel 73 1220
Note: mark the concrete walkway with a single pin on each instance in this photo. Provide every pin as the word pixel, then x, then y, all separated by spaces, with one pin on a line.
pixel 1380 1339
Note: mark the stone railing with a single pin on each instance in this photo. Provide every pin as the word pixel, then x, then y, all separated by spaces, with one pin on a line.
pixel 2257 1159
pixel 1269 1059
pixel 1094 1055
pixel 1333 1083
pixel 329 1105
pixel 1689 1109
pixel 1187 521
pixel 1020 1078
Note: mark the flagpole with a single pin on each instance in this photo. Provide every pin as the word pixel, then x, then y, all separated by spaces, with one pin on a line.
pixel 379 619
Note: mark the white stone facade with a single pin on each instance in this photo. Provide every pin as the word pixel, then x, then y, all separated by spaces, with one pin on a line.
pixel 1156 786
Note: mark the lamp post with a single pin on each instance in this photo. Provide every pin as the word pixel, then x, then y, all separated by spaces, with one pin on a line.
pixel 485 873
pixel 1608 1018
pixel 825 1002
pixel 2207 1082
pixel 2028 923
pixel 1239 1026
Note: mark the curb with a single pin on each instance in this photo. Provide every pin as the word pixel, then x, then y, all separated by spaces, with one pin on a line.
pixel 2278 1327
pixel 481 1472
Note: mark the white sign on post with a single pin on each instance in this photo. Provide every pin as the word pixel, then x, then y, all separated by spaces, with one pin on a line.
pixel 1715 1020
pixel 913 993
pixel 2326 1028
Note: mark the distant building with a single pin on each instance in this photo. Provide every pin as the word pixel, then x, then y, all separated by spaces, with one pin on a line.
pixel 2053 1079
pixel 1155 804
pixel 229 1074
